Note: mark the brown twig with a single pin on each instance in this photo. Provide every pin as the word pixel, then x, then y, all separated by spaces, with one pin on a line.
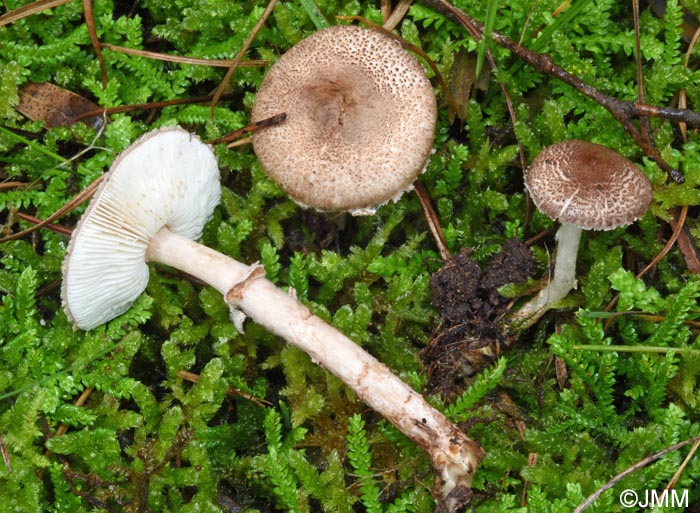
pixel 237 59
pixel 194 378
pixel 12 185
pixel 53 227
pixel 623 111
pixel 672 483
pixel 682 96
pixel 271 121
pixel 92 32
pixel 146 106
pixel 537 237
pixel 5 455
pixel 195 61
pixel 686 244
pixel 669 244
pixel 640 464
pixel 28 10
pixel 385 9
pixel 395 17
pixel 77 200
pixel 433 221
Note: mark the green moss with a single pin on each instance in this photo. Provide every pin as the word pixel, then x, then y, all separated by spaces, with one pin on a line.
pixel 147 439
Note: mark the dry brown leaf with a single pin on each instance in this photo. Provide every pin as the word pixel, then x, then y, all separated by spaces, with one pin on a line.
pixel 460 83
pixel 56 106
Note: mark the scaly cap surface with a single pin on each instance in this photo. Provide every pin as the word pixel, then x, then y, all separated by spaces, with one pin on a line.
pixel 587 185
pixel 360 120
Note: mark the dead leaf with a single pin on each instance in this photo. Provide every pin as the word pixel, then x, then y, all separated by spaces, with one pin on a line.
pixel 56 106
pixel 460 82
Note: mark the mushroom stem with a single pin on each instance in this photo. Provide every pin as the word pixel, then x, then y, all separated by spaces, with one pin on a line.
pixel 568 238
pixel 454 456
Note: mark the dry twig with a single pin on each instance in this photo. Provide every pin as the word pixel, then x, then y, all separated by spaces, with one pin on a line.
pixel 92 32
pixel 28 10
pixel 237 59
pixel 640 464
pixel 623 111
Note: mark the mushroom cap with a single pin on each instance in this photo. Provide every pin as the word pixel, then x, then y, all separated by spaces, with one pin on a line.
pixel 167 178
pixel 587 185
pixel 360 120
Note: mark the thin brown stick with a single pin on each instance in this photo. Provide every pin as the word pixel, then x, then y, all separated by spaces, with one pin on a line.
pixel 92 32
pixel 195 61
pixel 672 483
pixel 12 185
pixel 385 9
pixel 77 200
pixel 146 106
pixel 194 378
pixel 28 10
pixel 62 429
pixel 5 455
pixel 53 227
pixel 537 237
pixel 669 244
pixel 686 245
pixel 392 21
pixel 623 111
pixel 433 221
pixel 682 96
pixel 640 464
pixel 224 82
pixel 271 121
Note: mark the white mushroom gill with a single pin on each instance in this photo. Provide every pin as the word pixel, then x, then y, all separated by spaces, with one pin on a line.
pixel 166 178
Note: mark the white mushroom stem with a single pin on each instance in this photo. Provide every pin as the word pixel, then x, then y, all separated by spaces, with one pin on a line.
pixel 568 238
pixel 454 456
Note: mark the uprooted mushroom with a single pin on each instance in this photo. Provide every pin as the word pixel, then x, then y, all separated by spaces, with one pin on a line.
pixel 154 200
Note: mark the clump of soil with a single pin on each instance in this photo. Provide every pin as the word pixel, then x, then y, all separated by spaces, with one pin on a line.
pixel 468 299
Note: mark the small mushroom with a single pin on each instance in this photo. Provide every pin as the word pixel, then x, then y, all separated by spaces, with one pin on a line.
pixel 584 186
pixel 156 198
pixel 360 120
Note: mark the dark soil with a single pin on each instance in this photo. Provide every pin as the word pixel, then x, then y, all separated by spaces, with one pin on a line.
pixel 470 337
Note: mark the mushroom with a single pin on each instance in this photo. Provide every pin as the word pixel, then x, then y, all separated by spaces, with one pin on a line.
pixel 360 120
pixel 156 197
pixel 584 186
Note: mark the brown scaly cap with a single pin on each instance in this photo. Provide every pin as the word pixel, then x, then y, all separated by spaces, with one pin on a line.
pixel 587 185
pixel 360 120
